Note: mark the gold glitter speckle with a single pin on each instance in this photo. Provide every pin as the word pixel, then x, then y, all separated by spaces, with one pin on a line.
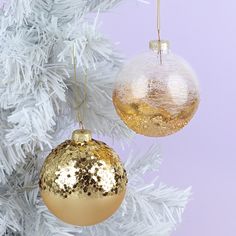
pixel 83 169
pixel 148 119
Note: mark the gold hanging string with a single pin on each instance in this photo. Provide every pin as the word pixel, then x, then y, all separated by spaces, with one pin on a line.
pixel 80 118
pixel 159 28
pixel 74 62
pixel 85 92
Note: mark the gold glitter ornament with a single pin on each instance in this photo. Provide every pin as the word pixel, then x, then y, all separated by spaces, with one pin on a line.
pixel 83 181
pixel 156 94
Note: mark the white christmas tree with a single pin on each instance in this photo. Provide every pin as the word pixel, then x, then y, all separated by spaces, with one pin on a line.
pixel 39 103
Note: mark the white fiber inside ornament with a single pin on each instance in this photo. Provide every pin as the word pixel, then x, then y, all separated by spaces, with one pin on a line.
pixel 176 84
pixel 140 88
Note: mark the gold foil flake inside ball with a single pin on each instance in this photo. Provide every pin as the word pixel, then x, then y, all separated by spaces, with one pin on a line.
pixel 156 99
pixel 83 181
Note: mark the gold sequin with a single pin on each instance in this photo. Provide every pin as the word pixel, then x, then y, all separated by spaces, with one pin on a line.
pixel 83 169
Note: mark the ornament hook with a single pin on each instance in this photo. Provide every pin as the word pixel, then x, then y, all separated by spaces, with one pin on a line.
pixel 80 119
pixel 159 28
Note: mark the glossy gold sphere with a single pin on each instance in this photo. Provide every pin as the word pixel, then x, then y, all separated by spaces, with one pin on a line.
pixel 83 181
pixel 156 96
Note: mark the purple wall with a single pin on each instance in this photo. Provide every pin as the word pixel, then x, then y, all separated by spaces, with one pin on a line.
pixel 203 154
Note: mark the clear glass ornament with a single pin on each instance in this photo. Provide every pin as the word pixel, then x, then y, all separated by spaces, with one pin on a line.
pixel 156 94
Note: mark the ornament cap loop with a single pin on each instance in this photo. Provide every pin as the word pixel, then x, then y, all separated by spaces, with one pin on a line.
pixel 158 46
pixel 82 135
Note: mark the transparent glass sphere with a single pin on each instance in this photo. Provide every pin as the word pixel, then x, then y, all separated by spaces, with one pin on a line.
pixel 156 99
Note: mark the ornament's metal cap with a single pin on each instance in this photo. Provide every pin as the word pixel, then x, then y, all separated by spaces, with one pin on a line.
pixel 82 135
pixel 158 46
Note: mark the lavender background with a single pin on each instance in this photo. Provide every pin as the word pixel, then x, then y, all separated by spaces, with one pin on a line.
pixel 203 154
